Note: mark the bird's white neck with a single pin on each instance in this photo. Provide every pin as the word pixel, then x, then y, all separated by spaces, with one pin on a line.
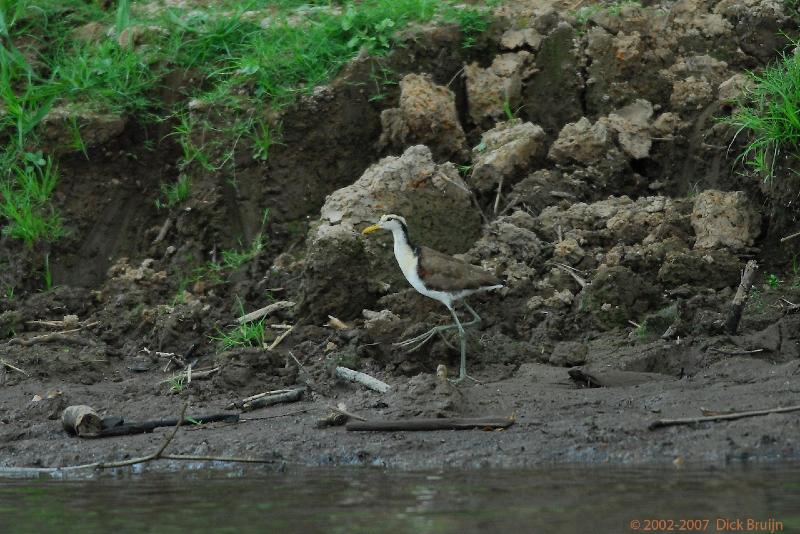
pixel 404 253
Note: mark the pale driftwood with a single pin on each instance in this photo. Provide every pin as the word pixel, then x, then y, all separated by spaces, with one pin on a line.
pixel 734 352
pixel 82 421
pixel 740 299
pixel 162 233
pixel 266 310
pixel 363 379
pixel 69 321
pixel 238 404
pixel 278 339
pixel 336 323
pixel 13 367
pixel 55 336
pixel 293 395
pixel 202 374
pixel 447 423
pixel 790 236
pixel 348 414
pixel 722 417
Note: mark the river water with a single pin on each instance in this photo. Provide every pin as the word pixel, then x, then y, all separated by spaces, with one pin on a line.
pixel 560 500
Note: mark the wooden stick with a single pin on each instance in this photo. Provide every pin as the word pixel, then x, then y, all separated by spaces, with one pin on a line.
pixel 14 368
pixel 734 352
pixel 279 339
pixel 791 236
pixel 293 395
pixel 363 379
pixel 723 417
pixel 238 404
pixel 348 414
pixel 570 271
pixel 448 423
pixel 162 233
pixel 197 375
pixel 266 310
pixel 743 291
pixel 143 427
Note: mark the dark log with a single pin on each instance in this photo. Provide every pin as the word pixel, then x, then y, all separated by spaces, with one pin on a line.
pixel 483 423
pixel 739 301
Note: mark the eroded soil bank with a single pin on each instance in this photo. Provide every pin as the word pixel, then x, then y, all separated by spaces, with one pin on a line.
pixel 576 154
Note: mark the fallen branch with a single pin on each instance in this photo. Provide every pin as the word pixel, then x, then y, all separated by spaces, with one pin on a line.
pixel 237 405
pixel 742 292
pixel 790 236
pixel 723 417
pixel 734 352
pixel 143 427
pixel 363 379
pixel 293 395
pixel 348 414
pixel 162 233
pixel 266 310
pixel 55 336
pixel 484 423
pixel 13 367
pixel 202 374
pixel 279 339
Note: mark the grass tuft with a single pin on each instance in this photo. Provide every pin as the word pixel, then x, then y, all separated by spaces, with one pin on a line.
pixel 770 114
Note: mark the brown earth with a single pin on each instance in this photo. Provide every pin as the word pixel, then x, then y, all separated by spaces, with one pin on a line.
pixel 610 204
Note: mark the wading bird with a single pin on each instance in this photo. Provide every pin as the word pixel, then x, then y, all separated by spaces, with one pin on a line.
pixel 439 277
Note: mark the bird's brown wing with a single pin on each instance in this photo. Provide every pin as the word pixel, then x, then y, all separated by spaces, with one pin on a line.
pixel 446 273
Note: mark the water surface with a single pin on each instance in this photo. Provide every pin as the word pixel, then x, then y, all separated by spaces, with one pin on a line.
pixel 353 500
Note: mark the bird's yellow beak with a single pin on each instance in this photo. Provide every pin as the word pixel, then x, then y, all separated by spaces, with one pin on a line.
pixel 370 229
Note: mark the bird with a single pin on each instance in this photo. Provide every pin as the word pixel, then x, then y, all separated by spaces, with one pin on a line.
pixel 438 276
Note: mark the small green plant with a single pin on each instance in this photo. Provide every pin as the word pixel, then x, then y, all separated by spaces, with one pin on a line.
pixel 177 383
pixel 175 193
pixel 244 335
pixel 769 113
pixel 25 201
pixel 641 332
pixel 47 274
pixel 773 281
pixel 264 136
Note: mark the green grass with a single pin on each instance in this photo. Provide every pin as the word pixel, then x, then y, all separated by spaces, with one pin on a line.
pixel 244 335
pixel 244 57
pixel 175 193
pixel 769 114
pixel 25 200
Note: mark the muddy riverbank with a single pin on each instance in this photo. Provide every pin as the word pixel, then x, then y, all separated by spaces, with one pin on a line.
pixel 578 153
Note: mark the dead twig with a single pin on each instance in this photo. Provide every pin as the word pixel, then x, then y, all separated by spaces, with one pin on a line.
pixel 734 352
pixel 238 404
pixel 790 236
pixel 162 233
pixel 363 379
pixel 197 375
pixel 723 417
pixel 446 423
pixel 278 339
pixel 293 395
pixel 348 414
pixel 55 336
pixel 266 310
pixel 13 367
pixel 739 301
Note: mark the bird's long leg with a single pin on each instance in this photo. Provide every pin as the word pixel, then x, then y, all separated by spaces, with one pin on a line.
pixel 462 371
pixel 475 317
pixel 421 339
